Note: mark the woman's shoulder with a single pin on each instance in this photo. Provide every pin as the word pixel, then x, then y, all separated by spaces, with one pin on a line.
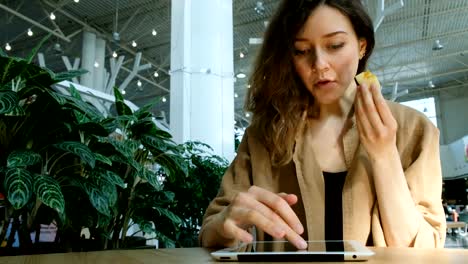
pixel 409 118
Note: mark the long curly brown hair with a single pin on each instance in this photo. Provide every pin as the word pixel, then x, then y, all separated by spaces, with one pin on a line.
pixel 277 97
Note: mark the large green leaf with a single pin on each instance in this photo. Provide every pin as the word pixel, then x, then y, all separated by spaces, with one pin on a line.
pixel 170 215
pixel 98 199
pixel 8 101
pixel 34 51
pixel 79 150
pixel 109 124
pixel 49 192
pixel 103 159
pixel 68 75
pixel 93 129
pixel 152 178
pixel 2 53
pixel 19 187
pixel 121 107
pixel 22 158
pixel 173 164
pixel 109 176
pixel 144 111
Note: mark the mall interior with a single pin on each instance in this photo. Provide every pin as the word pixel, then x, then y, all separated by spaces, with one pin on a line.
pixel 193 60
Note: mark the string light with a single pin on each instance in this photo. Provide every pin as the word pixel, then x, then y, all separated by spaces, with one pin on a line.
pixel 241 55
pixel 76 1
pixel 164 99
pixel 156 74
pixel 30 33
pixel 96 64
pixel 236 95
pixel 154 32
pixel 52 16
pixel 8 47
pixel 134 44
pixel 114 54
pixel 247 115
pixel 139 83
pixel 123 92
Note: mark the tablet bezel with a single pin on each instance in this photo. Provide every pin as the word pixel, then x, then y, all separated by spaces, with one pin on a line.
pixel 359 253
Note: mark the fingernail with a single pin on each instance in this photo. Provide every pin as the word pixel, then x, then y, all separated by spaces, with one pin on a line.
pixel 302 244
pixel 299 229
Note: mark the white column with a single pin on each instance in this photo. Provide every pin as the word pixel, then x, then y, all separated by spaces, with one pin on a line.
pixel 99 72
pixel 87 58
pixel 202 82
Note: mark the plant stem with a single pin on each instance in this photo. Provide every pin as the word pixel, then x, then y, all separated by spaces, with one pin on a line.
pixel 128 211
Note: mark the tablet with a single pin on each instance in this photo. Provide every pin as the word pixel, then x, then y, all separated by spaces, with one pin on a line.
pixel 284 251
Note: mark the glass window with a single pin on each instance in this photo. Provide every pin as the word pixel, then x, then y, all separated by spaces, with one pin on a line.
pixel 425 106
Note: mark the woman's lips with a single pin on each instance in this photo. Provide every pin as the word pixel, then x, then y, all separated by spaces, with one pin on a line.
pixel 325 84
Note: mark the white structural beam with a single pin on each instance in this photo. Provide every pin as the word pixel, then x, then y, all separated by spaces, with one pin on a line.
pixel 433 75
pixel 69 67
pixel 102 33
pixel 383 11
pixel 33 22
pixel 136 68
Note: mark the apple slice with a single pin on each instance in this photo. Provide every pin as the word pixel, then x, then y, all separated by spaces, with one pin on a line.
pixel 368 78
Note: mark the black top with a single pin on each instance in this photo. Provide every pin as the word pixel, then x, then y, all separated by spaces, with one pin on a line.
pixel 334 183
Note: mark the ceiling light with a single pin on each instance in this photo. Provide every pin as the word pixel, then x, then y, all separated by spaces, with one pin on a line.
pixel 116 36
pixel 52 16
pixel 241 55
pixel 114 54
pixel 247 115
pixel 154 32
pixel 8 47
pixel 241 75
pixel 76 1
pixel 163 99
pixel 437 45
pixel 236 95
pixel 139 83
pixel 30 33
pixel 248 86
pixel 123 92
pixel 431 84
pixel 259 8
pixel 156 74
pixel 134 44
pixel 96 64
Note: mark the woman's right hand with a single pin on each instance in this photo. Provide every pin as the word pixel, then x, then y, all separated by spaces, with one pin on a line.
pixel 265 210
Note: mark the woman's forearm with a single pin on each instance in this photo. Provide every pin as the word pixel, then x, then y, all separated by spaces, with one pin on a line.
pixel 399 215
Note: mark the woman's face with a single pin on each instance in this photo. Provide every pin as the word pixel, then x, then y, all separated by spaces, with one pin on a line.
pixel 327 54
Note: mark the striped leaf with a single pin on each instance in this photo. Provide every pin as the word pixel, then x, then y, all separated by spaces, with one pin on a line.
pixel 49 192
pixel 8 101
pixel 22 158
pixel 103 159
pixel 98 200
pixel 152 178
pixel 79 150
pixel 19 187
pixel 109 176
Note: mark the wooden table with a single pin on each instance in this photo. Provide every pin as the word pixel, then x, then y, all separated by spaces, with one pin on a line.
pixel 199 255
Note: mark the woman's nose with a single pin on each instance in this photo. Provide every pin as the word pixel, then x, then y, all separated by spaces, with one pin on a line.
pixel 319 62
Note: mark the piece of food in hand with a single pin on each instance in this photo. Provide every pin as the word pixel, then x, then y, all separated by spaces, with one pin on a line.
pixel 368 78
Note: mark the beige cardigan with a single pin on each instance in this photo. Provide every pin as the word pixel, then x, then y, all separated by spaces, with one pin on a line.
pixel 418 145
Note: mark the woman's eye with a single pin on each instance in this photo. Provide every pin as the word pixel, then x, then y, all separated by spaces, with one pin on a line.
pixel 300 52
pixel 337 46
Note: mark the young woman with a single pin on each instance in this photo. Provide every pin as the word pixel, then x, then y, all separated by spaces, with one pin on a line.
pixel 323 157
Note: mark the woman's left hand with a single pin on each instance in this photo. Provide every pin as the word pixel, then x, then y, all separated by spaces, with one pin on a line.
pixel 376 125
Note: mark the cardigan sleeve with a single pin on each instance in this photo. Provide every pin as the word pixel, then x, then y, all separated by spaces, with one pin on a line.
pixel 419 151
pixel 237 178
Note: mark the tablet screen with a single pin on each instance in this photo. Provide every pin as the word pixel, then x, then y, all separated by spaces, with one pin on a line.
pixel 285 246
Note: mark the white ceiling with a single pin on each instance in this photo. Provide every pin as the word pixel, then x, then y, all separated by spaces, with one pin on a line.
pixel 403 51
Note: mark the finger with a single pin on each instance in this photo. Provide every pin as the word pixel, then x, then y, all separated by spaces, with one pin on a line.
pixel 370 110
pixel 364 126
pixel 291 199
pixel 279 205
pixel 231 230
pixel 382 107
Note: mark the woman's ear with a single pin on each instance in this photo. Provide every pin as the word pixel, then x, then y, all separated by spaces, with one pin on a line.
pixel 362 47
